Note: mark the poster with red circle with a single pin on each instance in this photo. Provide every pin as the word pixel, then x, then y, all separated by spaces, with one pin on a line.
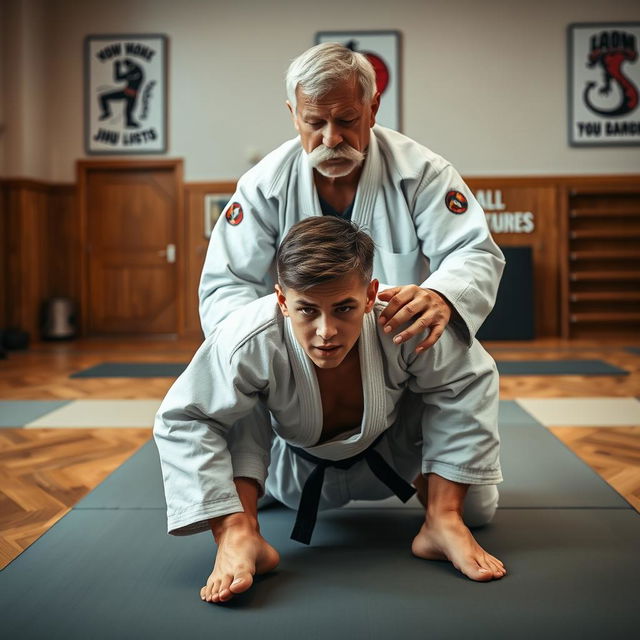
pixel 382 49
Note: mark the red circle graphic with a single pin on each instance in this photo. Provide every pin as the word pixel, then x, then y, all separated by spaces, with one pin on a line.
pixel 234 214
pixel 456 202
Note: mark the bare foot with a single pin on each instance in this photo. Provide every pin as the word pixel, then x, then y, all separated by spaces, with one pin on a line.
pixel 448 538
pixel 242 553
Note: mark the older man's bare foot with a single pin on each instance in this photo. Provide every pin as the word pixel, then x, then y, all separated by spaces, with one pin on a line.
pixel 447 538
pixel 242 553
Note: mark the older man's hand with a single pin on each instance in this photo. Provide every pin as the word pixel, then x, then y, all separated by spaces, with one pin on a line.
pixel 425 307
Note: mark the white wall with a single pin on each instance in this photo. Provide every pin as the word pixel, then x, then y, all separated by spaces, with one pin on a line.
pixel 24 141
pixel 3 91
pixel 484 81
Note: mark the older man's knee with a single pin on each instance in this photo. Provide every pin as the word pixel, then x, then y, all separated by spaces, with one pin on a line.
pixel 480 505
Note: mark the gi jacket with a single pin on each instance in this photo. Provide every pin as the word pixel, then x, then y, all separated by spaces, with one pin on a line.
pixel 403 201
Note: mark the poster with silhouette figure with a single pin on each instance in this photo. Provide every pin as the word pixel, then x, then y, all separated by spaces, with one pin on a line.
pixel 382 48
pixel 125 94
pixel 604 84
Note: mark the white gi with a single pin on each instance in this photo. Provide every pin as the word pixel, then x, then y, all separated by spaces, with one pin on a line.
pixel 400 203
pixel 253 356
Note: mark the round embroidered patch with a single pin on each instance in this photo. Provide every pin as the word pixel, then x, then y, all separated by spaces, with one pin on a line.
pixel 456 202
pixel 234 214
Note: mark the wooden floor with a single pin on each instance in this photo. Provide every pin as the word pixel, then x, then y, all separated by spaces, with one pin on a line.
pixel 44 472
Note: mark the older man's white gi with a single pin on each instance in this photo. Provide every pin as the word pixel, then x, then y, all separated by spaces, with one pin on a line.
pixel 253 356
pixel 401 202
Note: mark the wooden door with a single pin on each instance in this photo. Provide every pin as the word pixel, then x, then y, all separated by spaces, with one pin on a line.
pixel 131 235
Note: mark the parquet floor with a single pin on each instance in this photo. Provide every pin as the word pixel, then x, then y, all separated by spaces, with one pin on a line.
pixel 44 472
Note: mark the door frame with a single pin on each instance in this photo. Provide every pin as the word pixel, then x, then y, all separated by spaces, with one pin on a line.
pixel 83 168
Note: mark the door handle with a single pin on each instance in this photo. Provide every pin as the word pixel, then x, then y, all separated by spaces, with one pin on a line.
pixel 169 252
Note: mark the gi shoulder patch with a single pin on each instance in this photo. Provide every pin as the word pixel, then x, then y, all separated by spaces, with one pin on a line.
pixel 456 202
pixel 234 214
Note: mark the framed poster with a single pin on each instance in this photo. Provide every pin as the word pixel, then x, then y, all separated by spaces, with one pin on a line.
pixel 604 84
pixel 382 48
pixel 125 94
pixel 214 204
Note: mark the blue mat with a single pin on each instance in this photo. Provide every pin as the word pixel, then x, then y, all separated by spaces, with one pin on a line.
pixel 116 574
pixel 18 413
pixel 111 570
pixel 539 472
pixel 558 368
pixel 133 370
pixel 634 350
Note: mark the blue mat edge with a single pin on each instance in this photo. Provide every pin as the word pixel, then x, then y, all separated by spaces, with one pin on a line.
pixel 105 370
pixel 546 367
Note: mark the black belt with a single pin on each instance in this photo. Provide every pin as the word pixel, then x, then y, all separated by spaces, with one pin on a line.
pixel 310 497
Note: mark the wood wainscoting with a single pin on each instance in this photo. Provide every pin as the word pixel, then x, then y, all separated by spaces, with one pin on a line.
pixel 523 212
pixel 584 232
pixel 37 231
pixel 600 266
pixel 196 245
pixel 42 247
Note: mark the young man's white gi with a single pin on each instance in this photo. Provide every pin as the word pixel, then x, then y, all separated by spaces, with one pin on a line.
pixel 400 203
pixel 253 356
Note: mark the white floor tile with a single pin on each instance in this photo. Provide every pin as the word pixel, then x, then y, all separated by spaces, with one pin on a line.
pixel 100 413
pixel 583 412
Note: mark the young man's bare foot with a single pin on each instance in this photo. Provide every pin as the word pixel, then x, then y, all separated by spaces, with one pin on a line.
pixel 448 538
pixel 242 553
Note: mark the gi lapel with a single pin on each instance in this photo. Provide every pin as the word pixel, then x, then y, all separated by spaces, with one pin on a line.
pixel 308 390
pixel 307 194
pixel 368 187
pixel 374 420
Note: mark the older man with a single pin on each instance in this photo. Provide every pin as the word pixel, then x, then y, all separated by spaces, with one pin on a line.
pixel 433 245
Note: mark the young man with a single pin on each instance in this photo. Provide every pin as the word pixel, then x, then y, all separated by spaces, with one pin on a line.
pixel 316 357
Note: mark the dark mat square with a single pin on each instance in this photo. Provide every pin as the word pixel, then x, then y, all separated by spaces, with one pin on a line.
pixel 132 370
pixel 116 574
pixel 558 368
pixel 635 350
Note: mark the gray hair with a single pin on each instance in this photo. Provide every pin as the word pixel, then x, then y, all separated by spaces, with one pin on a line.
pixel 321 68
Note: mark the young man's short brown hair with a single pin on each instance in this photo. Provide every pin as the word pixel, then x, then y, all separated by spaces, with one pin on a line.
pixel 323 248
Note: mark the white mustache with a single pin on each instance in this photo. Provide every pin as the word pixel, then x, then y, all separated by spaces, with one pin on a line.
pixel 342 152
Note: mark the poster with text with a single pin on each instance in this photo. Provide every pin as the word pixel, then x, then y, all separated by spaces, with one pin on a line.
pixel 382 49
pixel 604 82
pixel 125 94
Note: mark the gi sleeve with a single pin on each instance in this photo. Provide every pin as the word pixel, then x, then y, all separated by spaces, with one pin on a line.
pixel 239 265
pixel 191 429
pixel 249 443
pixel 459 390
pixel 465 262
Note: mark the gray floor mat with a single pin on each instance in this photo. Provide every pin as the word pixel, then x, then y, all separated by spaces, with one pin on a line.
pixel 558 368
pixel 539 471
pixel 116 574
pixel 137 484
